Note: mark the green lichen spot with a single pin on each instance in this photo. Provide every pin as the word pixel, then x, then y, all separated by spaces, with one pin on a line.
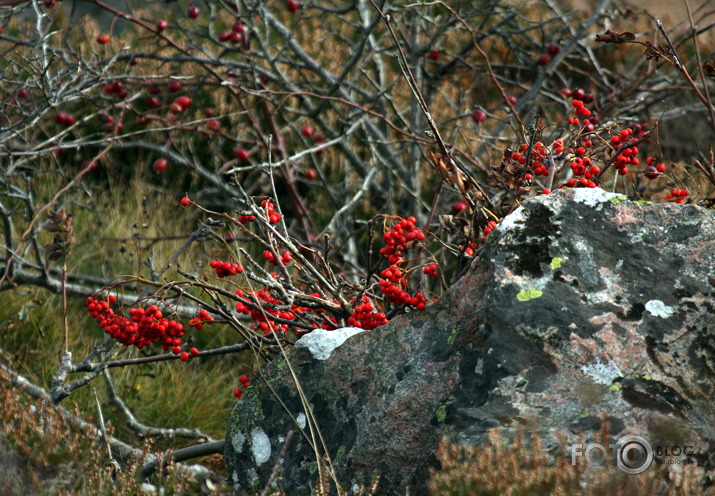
pixel 441 413
pixel 556 263
pixel 528 294
pixel 642 202
pixel 453 337
pixel 313 467
pixel 584 415
pixel 281 364
pixel 647 377
pixel 618 199
pixel 340 453
pixel 614 388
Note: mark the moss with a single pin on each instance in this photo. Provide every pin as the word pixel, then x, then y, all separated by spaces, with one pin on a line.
pixel 556 263
pixel 441 413
pixel 618 199
pixel 529 294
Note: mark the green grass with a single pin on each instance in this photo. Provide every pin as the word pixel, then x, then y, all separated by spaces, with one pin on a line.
pixel 196 394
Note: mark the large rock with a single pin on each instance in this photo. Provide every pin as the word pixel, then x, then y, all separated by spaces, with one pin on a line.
pixel 581 302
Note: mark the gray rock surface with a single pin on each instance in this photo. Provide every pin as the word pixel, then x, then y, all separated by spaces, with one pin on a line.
pixel 581 302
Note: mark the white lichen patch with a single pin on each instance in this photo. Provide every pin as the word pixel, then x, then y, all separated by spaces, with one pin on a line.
pixel 602 373
pixel 321 343
pixel 659 309
pixel 509 222
pixel 594 197
pixel 237 440
pixel 260 446
pixel 301 420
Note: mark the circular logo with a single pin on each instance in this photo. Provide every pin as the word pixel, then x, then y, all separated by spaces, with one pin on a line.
pixel 634 454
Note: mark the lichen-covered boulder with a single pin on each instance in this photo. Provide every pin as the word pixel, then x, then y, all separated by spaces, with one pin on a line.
pixel 581 302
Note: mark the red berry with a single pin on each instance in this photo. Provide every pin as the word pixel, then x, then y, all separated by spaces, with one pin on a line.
pixel 103 39
pixel 174 86
pixel 307 131
pixel 237 393
pixel 237 27
pixel 578 94
pixel 543 59
pixel 479 116
pixel 184 102
pixel 311 174
pixel 185 201
pixel 660 167
pixel 553 49
pixel 511 99
pixel 434 54
pixel 459 206
pixel 23 94
pixel 292 5
pixel 241 154
pixel 651 172
pixel 160 164
pixel 193 12
pixel 184 356
pixel 194 351
pixel 161 25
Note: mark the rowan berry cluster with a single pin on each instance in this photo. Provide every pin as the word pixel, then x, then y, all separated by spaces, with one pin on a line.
pixel 364 316
pixel 270 209
pixel 263 308
pixel 201 318
pixel 285 257
pixel 399 237
pixel 225 269
pixel 391 278
pixel 653 170
pixel 430 270
pixel 244 383
pixel 144 327
pixel 677 196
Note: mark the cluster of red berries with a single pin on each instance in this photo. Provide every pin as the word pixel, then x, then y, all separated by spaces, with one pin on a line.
pixel 263 308
pixel 270 208
pixel 653 170
pixel 677 196
pixel 430 270
pixel 65 118
pixel 469 249
pixel 310 133
pixel 391 278
pixel 201 318
pixel 627 156
pixel 237 35
pixel 225 269
pixel 184 356
pixel 268 308
pixel 245 383
pixel 397 239
pixel 144 327
pixel 490 225
pixel 181 104
pixel 270 257
pixel 116 88
pixel 364 316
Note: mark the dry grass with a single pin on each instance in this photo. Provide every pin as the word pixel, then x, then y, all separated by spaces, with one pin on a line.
pixel 522 468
